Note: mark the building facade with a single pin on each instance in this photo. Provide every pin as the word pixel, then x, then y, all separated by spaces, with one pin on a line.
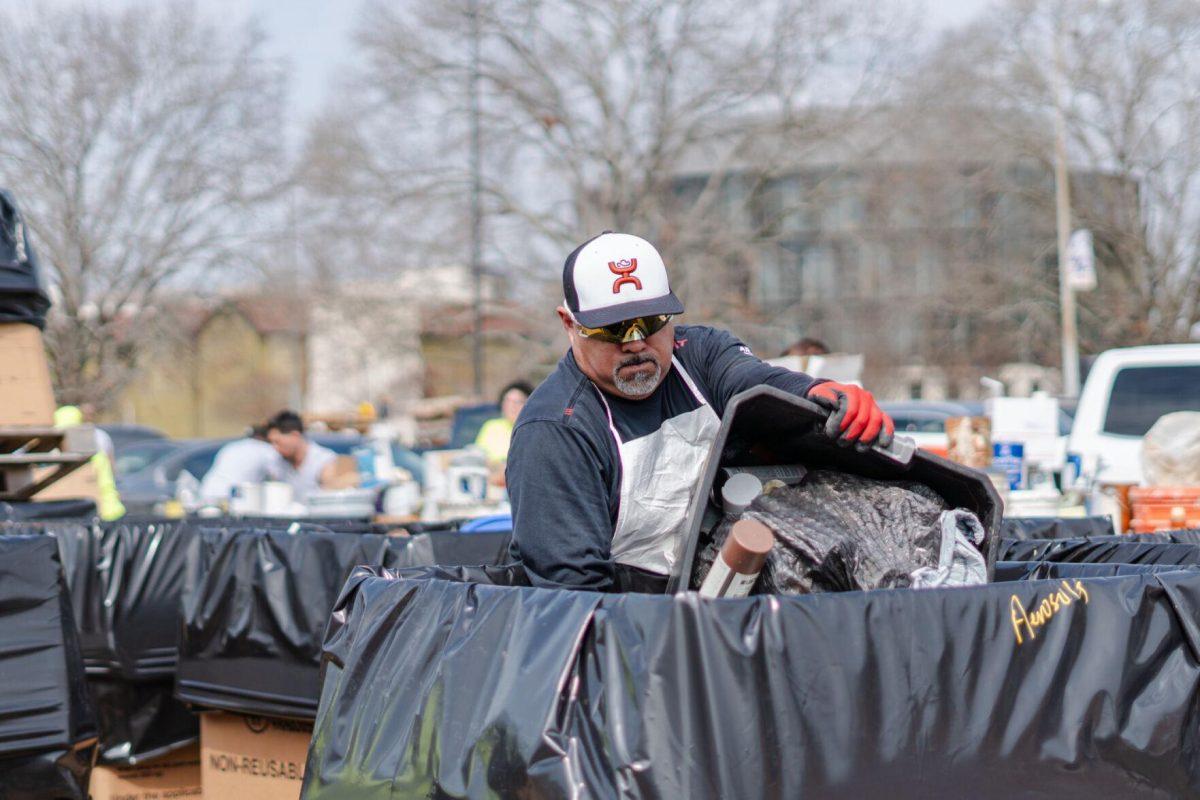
pixel 935 262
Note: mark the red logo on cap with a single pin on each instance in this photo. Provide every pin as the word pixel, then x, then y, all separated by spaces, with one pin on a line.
pixel 625 268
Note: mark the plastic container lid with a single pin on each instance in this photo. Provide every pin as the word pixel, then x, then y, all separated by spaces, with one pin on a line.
pixel 739 492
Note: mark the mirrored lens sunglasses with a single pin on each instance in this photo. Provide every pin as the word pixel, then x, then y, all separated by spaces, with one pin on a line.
pixel 630 330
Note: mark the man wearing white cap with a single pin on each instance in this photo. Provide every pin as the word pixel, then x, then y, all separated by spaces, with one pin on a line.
pixel 608 450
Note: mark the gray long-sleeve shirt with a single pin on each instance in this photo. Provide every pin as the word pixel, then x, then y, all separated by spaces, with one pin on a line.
pixel 564 471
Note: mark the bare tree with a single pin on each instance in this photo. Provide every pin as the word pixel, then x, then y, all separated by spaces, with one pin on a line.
pixel 145 146
pixel 657 117
pixel 1128 78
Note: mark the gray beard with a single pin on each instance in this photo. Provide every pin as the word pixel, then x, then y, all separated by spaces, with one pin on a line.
pixel 642 384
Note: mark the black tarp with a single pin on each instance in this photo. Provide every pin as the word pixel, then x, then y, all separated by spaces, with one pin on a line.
pixel 1101 549
pixel 256 603
pixel 23 295
pixel 1056 570
pixel 47 721
pixel 436 688
pixel 1055 527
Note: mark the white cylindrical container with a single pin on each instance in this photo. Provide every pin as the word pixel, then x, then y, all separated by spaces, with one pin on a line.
pixel 247 499
pixel 276 498
pixel 739 492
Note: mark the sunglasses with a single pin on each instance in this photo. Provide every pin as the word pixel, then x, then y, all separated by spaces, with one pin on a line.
pixel 631 330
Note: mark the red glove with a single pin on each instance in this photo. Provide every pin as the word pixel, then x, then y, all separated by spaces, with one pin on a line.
pixel 856 419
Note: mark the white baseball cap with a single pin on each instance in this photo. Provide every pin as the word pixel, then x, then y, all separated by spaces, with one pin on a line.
pixel 614 277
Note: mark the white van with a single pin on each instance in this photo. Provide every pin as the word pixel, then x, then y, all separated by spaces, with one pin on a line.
pixel 1126 392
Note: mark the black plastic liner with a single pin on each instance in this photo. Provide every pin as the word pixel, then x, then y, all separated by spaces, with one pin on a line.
pixel 1055 527
pixel 1106 549
pixel 898 694
pixel 140 721
pixel 335 524
pixel 256 604
pixel 47 721
pixel 55 775
pixel 47 509
pixel 1183 536
pixel 125 581
pixel 454 549
pixel 23 296
pixel 1055 570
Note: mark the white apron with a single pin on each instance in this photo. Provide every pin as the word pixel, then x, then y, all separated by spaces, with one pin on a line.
pixel 659 473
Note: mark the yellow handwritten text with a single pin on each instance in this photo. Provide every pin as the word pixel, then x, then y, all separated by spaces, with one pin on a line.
pixel 1030 621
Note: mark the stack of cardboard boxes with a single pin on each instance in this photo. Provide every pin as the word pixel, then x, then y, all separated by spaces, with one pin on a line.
pixel 244 756
pixel 238 757
pixel 26 398
pixel 170 777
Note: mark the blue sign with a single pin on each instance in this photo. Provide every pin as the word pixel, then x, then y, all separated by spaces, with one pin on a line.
pixel 1009 458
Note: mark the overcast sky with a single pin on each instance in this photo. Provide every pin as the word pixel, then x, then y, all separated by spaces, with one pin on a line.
pixel 316 36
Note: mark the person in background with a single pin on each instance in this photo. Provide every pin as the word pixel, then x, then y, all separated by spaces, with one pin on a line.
pixel 496 433
pixel 104 442
pixel 108 501
pixel 301 462
pixel 245 460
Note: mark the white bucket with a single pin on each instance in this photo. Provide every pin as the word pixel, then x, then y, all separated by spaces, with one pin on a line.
pixel 276 498
pixel 247 499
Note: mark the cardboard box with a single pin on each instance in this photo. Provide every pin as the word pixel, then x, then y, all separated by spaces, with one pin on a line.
pixel 969 441
pixel 260 757
pixel 26 397
pixel 170 777
pixel 81 483
pixel 342 474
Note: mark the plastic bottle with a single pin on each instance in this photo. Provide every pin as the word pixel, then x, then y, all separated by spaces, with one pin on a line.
pixel 187 490
pixel 736 567
pixel 364 457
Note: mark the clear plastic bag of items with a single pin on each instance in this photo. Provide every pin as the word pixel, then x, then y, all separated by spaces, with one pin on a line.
pixel 840 532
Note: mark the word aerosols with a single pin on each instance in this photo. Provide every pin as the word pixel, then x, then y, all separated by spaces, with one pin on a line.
pixel 742 556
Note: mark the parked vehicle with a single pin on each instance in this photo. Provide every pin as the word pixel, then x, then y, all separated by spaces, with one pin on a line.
pixel 139 455
pixel 467 422
pixel 924 421
pixel 1127 390
pixel 123 435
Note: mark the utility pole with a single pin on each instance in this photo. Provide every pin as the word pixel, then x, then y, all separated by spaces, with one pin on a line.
pixel 1062 203
pixel 476 206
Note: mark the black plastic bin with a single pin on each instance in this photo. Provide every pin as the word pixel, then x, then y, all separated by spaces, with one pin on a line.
pixel 766 425
pixel 125 580
pixel 1057 570
pixel 436 687
pixel 256 603
pixel 47 720
pixel 1101 550
pixel 1055 527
